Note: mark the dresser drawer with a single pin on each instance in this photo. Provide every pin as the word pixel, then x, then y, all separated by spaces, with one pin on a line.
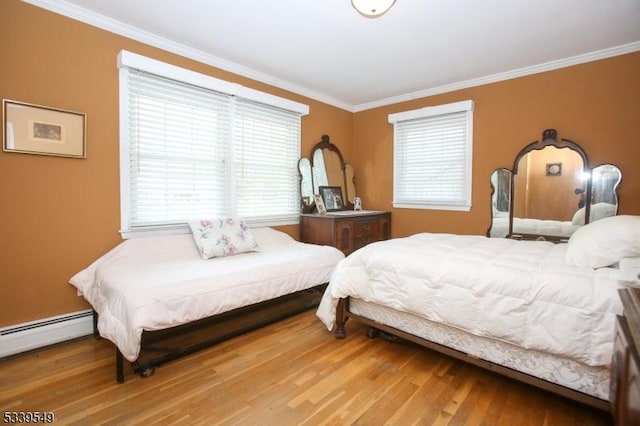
pixel 343 236
pixel 365 232
pixel 346 232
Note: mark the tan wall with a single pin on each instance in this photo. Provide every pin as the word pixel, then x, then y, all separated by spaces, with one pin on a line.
pixel 596 105
pixel 59 214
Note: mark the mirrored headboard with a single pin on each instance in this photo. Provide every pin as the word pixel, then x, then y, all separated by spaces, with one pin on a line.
pixel 551 191
pixel 325 167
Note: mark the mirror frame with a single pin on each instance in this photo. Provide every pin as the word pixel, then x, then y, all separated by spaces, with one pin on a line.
pixel 325 143
pixel 549 139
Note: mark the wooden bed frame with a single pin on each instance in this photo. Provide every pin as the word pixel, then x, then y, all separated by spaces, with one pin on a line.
pixel 162 346
pixel 343 314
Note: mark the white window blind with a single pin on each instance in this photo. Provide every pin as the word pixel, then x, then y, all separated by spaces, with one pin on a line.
pixel 189 151
pixel 178 145
pixel 266 151
pixel 432 157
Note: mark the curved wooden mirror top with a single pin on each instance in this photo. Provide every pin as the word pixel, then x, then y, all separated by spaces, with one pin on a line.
pixel 325 167
pixel 544 196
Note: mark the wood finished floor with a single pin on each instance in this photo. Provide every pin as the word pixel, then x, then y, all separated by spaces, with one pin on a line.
pixel 293 372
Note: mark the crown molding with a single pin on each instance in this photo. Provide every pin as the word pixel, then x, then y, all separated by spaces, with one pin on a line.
pixel 521 72
pixel 77 13
pixel 64 8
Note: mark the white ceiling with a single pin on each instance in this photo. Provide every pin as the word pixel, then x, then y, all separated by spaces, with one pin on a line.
pixel 325 50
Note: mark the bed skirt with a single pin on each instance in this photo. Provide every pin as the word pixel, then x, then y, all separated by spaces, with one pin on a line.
pixel 564 376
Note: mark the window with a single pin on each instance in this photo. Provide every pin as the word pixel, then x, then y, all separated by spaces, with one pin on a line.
pixel 432 157
pixel 194 147
pixel 267 150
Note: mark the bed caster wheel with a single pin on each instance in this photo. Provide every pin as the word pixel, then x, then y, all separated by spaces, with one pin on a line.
pixel 372 333
pixel 147 372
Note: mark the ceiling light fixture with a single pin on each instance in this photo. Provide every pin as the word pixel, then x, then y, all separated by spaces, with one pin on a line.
pixel 372 8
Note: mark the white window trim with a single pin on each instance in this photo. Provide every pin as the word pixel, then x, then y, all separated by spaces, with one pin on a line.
pixel 127 60
pixel 430 111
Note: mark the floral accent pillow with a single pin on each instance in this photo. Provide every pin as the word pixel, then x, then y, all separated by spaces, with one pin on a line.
pixel 223 236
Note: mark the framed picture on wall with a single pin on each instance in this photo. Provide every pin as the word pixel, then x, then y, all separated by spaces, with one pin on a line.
pixel 37 129
pixel 332 197
pixel 554 169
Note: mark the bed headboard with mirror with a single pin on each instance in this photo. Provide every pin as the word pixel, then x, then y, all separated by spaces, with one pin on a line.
pixel 325 167
pixel 551 191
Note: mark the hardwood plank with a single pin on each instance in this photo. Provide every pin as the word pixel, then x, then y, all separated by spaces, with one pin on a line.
pixel 293 372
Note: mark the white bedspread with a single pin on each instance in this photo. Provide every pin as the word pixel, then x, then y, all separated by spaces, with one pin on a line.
pixel 519 292
pixel 155 283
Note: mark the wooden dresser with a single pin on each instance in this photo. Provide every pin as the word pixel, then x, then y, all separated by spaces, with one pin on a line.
pixel 625 365
pixel 345 230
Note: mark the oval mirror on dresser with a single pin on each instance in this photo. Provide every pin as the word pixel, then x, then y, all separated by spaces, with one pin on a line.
pixel 325 167
pixel 545 195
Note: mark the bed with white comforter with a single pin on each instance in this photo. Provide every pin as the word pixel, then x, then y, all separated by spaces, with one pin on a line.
pixel 154 283
pixel 521 295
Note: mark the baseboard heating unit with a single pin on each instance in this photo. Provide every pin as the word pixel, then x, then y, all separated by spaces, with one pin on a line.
pixel 36 334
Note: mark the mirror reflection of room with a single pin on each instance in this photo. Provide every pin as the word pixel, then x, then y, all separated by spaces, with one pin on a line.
pixel 306 182
pixel 549 191
pixel 548 194
pixel 605 179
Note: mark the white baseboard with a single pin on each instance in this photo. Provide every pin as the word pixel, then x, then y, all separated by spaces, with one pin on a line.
pixel 36 334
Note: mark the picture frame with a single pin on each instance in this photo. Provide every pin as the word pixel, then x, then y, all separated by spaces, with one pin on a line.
pixel 37 129
pixel 332 197
pixel 554 169
pixel 319 204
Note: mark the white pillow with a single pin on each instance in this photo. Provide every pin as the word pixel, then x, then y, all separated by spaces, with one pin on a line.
pixel 596 212
pixel 604 242
pixel 269 238
pixel 222 236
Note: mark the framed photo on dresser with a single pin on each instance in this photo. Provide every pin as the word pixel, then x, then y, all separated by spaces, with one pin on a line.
pixel 332 197
pixel 319 204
